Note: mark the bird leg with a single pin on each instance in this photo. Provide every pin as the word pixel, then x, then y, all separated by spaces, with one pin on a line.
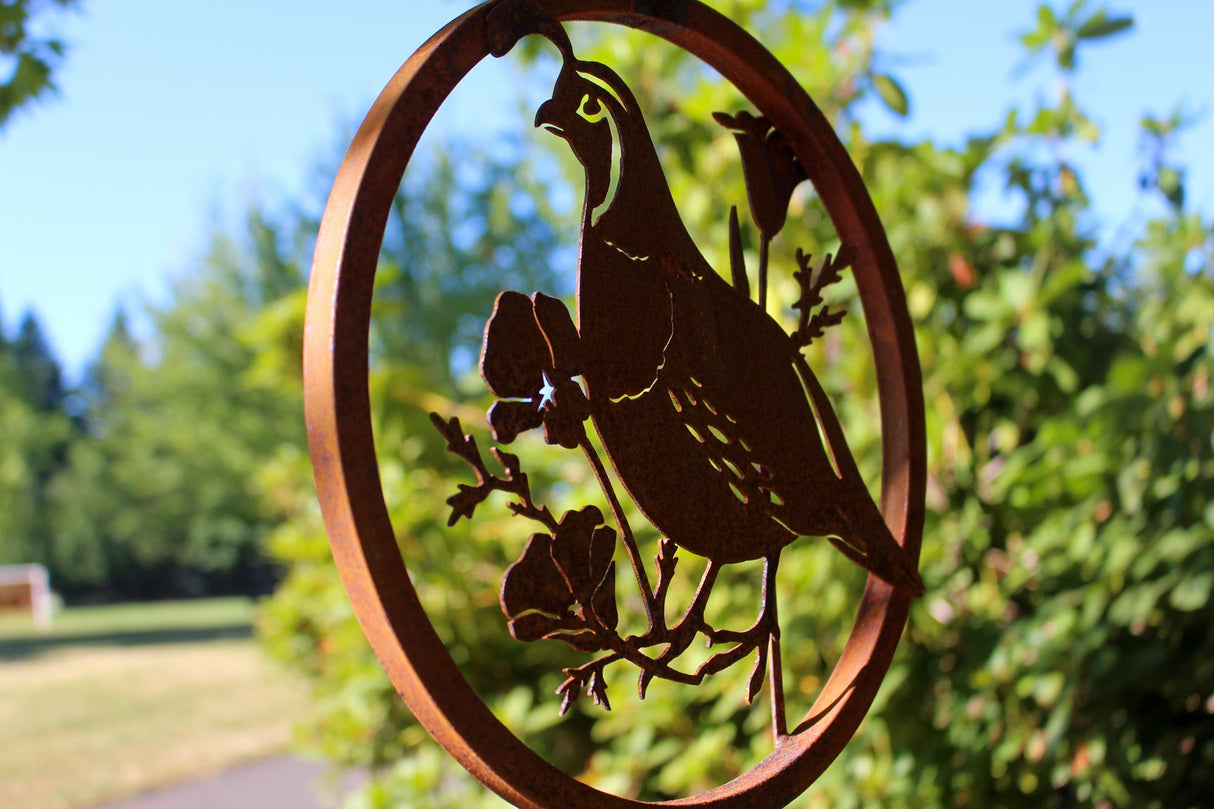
pixel 765 625
pixel 764 637
pixel 775 669
pixel 680 636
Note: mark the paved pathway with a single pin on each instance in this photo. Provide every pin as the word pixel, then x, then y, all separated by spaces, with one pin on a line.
pixel 276 783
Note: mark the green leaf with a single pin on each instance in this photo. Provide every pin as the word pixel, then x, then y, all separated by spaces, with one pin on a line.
pixel 1171 184
pixel 891 93
pixel 1047 23
pixel 1065 47
pixel 1193 592
pixel 1101 26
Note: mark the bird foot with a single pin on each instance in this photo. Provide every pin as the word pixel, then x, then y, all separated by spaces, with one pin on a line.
pixel 762 629
pixel 676 640
pixel 764 633
pixel 680 637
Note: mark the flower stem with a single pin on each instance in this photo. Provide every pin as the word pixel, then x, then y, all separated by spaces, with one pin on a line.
pixel 630 543
pixel 764 244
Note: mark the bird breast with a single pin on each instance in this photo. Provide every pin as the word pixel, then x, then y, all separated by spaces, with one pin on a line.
pixel 722 442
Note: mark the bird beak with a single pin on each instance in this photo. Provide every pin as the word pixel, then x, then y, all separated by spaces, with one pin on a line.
pixel 545 117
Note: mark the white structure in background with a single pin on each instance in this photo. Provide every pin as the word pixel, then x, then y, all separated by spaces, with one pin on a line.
pixel 27 587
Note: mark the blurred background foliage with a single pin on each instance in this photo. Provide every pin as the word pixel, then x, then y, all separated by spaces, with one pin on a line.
pixel 29 53
pixel 1063 656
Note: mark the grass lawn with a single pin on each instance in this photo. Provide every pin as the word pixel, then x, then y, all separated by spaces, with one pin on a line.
pixel 118 700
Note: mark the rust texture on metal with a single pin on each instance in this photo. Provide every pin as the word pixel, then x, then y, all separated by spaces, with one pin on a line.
pixel 703 405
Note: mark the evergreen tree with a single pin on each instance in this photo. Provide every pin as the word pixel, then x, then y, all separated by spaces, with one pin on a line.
pixel 37 432
pixel 40 379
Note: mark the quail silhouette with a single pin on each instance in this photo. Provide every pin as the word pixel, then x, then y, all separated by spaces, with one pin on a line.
pixel 704 405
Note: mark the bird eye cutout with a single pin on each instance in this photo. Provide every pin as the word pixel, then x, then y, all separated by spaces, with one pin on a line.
pixel 591 109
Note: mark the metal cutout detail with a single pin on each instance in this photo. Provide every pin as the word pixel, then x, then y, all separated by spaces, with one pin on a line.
pixel 712 420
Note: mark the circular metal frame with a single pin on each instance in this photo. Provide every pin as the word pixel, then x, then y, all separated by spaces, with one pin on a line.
pixel 339 416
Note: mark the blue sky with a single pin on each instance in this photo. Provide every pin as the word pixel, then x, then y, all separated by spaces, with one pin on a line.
pixel 173 117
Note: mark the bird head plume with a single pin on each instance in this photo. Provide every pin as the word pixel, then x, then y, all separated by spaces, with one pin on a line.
pixel 587 104
pixel 589 107
pixel 628 203
pixel 511 20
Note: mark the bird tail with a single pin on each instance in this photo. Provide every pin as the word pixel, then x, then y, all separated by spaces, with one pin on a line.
pixel 870 544
pixel 868 541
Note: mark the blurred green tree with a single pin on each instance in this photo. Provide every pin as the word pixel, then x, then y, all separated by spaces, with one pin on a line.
pixel 158 499
pixel 39 377
pixel 37 432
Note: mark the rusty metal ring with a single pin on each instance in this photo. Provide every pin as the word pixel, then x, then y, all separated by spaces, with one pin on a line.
pixel 339 417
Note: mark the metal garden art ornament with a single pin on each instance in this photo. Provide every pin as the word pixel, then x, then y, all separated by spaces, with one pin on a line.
pixel 703 405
